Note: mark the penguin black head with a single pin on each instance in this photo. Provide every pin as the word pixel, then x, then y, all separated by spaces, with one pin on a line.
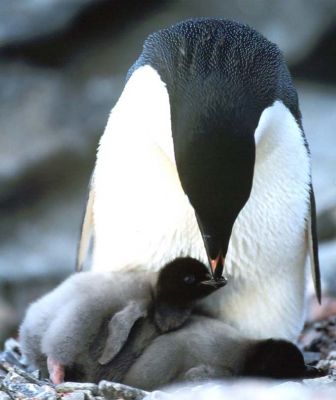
pixel 220 76
pixel 184 281
pixel 278 359
pixel 215 163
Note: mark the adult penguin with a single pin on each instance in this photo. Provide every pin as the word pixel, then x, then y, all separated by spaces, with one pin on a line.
pixel 204 155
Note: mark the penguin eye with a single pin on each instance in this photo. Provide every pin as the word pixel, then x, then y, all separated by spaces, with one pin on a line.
pixel 189 279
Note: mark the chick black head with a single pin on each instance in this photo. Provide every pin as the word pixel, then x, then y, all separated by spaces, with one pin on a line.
pixel 278 359
pixel 185 280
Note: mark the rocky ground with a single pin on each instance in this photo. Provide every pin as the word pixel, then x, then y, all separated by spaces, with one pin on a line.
pixel 58 81
pixel 318 343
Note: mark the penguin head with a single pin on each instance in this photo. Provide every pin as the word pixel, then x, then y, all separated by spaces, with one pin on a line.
pixel 278 359
pixel 215 159
pixel 184 281
pixel 220 76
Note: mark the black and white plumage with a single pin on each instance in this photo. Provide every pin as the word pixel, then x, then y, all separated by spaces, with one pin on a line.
pixel 79 330
pixel 204 155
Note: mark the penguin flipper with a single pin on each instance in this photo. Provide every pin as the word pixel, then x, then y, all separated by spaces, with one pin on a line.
pixel 119 328
pixel 86 231
pixel 313 246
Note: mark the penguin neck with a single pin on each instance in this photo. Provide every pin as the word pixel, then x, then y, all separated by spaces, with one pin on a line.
pixel 154 214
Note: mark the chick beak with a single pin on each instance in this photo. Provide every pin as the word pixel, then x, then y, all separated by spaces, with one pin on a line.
pixel 216 284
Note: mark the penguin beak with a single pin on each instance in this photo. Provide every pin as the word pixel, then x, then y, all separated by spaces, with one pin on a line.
pixel 216 244
pixel 216 249
pixel 217 265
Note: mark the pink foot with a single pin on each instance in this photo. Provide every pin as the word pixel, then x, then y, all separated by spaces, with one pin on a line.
pixel 56 371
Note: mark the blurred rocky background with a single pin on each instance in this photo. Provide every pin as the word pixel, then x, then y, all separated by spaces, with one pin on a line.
pixel 62 67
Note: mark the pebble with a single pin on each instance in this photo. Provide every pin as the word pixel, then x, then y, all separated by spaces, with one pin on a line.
pixel 67 387
pixel 116 391
pixel 75 396
pixel 18 384
pixel 4 396
pixel 332 355
pixel 324 381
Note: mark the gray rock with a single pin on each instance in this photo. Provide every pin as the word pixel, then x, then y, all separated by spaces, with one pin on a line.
pixel 327 251
pixel 319 120
pixel 46 157
pixel 28 19
pixel 11 356
pixel 44 251
pixel 4 396
pixel 45 114
pixel 68 387
pixel 7 319
pixel 326 366
pixel 324 381
pixel 116 391
pixel 332 356
pixel 19 384
pixel 283 22
pixel 329 366
pixel 76 396
pixel 327 222
pixel 21 388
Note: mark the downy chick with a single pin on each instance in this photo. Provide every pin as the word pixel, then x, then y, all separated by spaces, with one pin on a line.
pixel 78 329
pixel 206 348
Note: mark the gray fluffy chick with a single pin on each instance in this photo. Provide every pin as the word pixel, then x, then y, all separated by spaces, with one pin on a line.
pixel 95 325
pixel 134 329
pixel 206 348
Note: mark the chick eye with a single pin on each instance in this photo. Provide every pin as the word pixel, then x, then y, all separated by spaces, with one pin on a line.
pixel 189 279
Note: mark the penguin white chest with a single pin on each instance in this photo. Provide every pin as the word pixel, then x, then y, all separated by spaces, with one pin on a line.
pixel 141 215
pixel 268 247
